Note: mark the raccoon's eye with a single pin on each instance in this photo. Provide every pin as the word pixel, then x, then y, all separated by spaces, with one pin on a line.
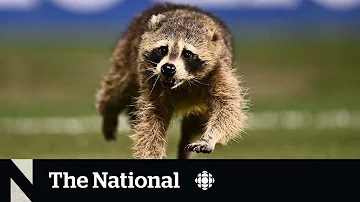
pixel 188 54
pixel 163 50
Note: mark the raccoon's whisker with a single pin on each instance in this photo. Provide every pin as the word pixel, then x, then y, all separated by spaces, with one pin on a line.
pixel 200 82
pixel 192 82
pixel 178 84
pixel 147 66
pixel 150 70
pixel 152 62
pixel 154 84
pixel 150 77
pixel 172 104
pixel 189 84
pixel 162 84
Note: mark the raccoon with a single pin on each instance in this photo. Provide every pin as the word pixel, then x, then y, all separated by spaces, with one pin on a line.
pixel 174 59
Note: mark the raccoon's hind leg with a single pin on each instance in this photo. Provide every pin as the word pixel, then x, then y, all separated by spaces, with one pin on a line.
pixel 117 91
pixel 192 126
pixel 114 96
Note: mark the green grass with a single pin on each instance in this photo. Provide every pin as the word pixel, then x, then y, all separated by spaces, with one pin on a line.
pixel 277 144
pixel 60 79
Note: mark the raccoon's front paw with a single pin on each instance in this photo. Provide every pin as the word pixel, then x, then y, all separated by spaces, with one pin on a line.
pixel 200 146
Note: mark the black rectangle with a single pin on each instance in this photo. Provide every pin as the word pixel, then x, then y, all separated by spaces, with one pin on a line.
pixel 231 178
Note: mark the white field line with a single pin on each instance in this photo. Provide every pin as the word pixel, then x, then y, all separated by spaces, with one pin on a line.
pixel 267 120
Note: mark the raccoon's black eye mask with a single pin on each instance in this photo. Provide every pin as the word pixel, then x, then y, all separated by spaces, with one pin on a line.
pixel 192 61
pixel 156 55
pixel 189 55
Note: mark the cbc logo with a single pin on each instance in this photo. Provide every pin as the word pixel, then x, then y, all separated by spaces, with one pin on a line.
pixel 204 180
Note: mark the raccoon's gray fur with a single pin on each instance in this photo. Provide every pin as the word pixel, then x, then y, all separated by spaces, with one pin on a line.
pixel 174 59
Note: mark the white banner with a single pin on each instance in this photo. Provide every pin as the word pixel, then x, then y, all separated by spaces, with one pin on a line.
pixel 86 6
pixel 19 4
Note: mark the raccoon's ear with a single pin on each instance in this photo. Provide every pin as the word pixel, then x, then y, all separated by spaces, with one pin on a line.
pixel 155 21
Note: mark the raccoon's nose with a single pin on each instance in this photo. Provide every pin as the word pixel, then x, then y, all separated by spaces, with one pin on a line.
pixel 168 70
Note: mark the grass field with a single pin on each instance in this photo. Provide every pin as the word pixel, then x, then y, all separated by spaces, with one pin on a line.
pixel 258 144
pixel 60 79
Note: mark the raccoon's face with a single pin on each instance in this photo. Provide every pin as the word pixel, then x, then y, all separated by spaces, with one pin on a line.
pixel 180 48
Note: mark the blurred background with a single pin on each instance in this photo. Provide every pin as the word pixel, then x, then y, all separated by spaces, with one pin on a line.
pixel 299 58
